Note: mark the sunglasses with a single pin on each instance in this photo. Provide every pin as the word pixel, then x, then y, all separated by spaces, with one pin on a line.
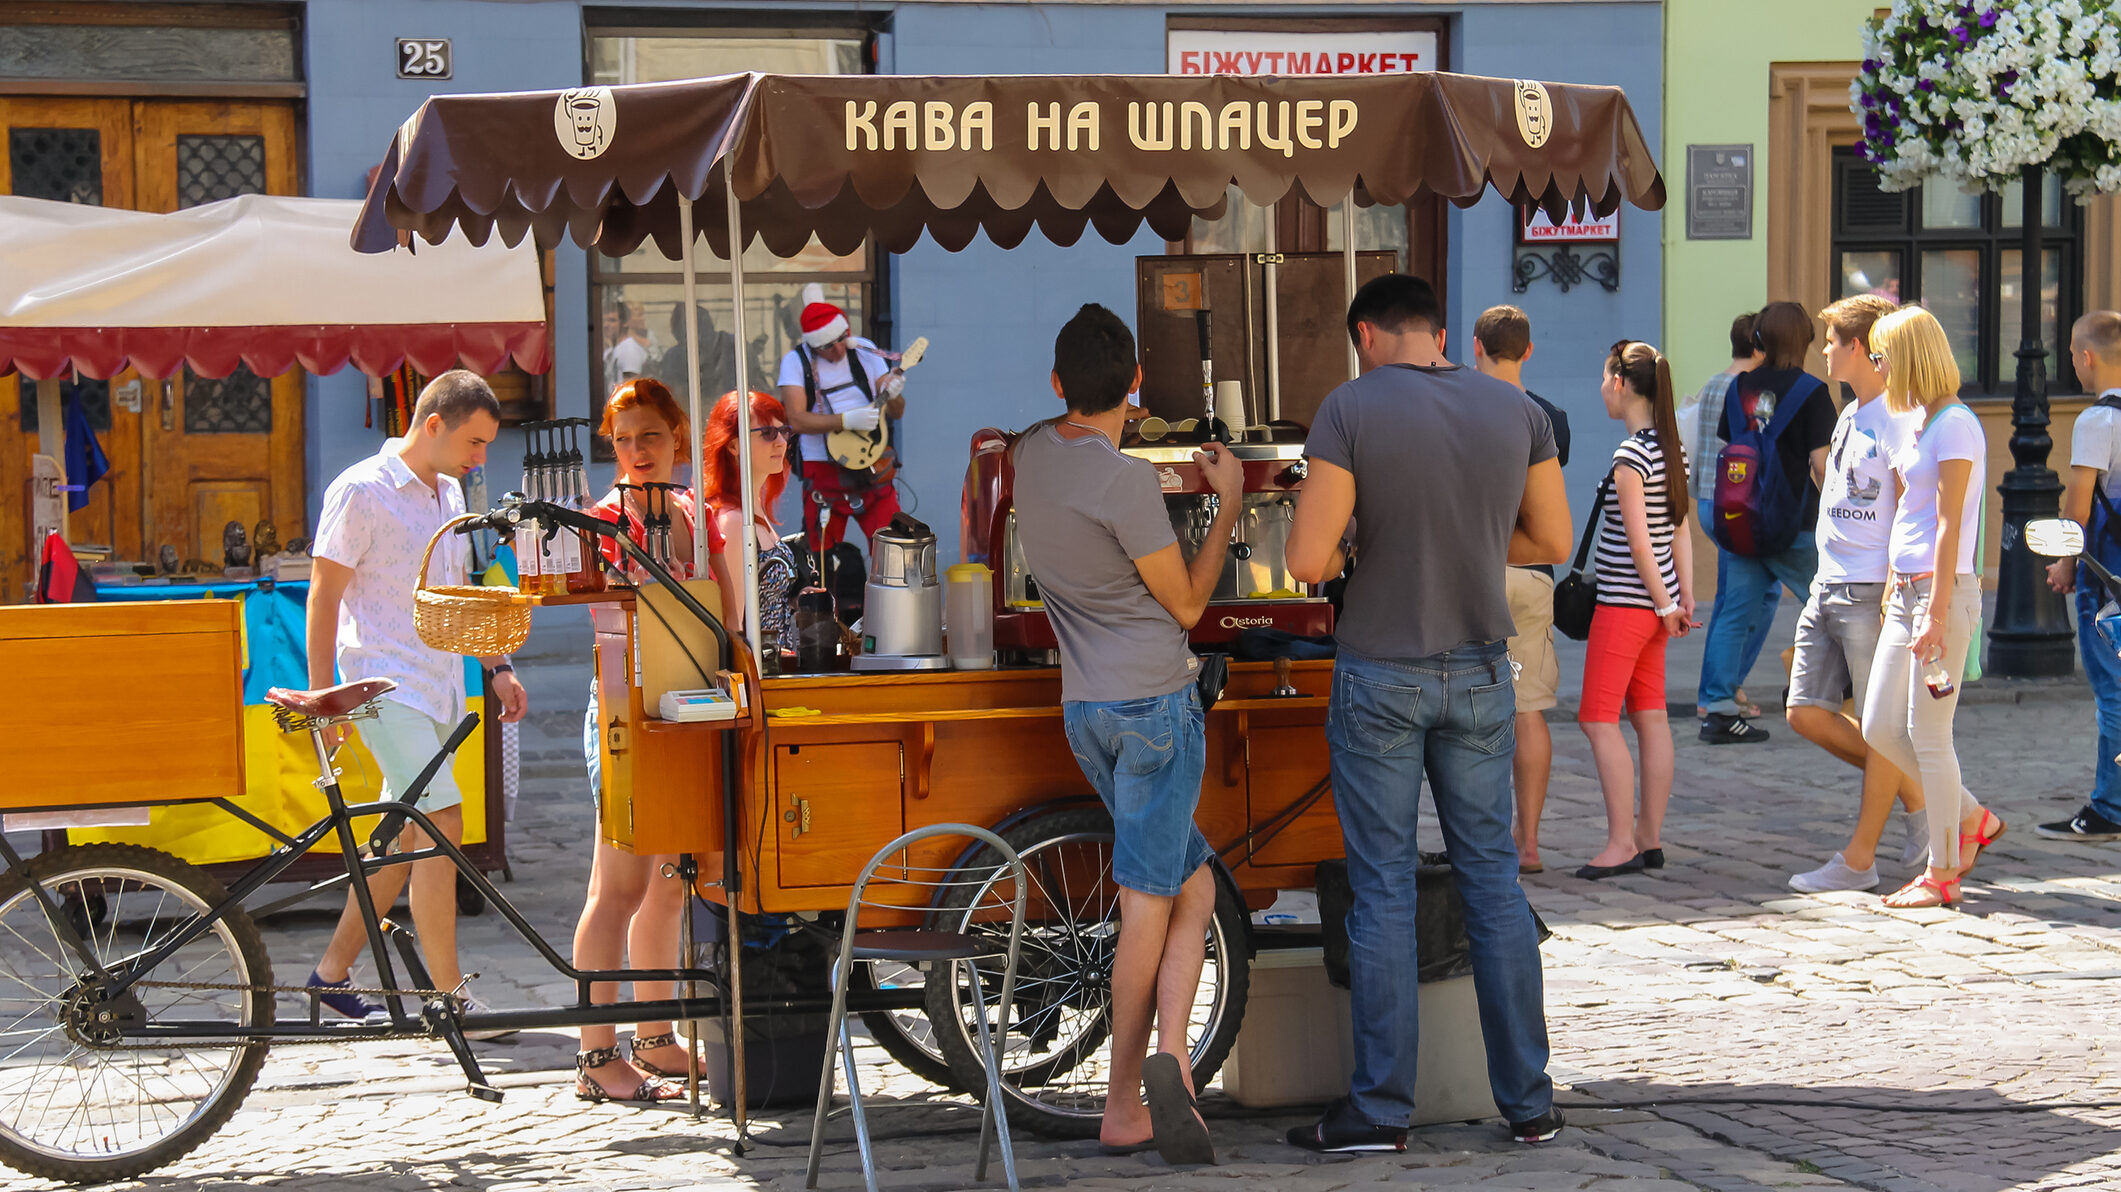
pixel 1877 359
pixel 774 434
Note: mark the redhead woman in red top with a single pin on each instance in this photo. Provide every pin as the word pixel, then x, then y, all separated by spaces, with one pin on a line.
pixel 632 911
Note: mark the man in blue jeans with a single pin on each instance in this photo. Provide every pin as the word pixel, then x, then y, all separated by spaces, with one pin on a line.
pixel 1783 332
pixel 2092 500
pixel 1456 476
pixel 1122 597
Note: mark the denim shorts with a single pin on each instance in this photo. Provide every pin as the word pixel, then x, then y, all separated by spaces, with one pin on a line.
pixel 1145 758
pixel 1837 636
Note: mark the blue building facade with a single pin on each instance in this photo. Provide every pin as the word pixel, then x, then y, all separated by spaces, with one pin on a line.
pixel 990 316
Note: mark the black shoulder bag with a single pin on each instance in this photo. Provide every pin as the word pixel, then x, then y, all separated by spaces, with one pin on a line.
pixel 1576 596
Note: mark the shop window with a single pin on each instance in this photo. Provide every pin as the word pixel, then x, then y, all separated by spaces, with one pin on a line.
pixel 1960 255
pixel 640 297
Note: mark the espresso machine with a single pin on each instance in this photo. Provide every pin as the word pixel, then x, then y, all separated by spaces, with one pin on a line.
pixel 1255 590
pixel 902 604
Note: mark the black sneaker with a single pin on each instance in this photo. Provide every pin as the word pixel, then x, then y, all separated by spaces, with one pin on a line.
pixel 1718 728
pixel 1539 1129
pixel 2087 825
pixel 1341 1131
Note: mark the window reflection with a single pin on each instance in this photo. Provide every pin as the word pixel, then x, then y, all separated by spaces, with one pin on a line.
pixel 1871 273
pixel 1951 289
pixel 1944 206
pixel 2012 308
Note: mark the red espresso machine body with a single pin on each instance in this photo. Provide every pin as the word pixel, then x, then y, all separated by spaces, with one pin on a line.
pixel 1254 592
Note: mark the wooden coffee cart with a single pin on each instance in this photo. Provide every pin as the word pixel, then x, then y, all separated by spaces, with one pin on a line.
pixel 781 807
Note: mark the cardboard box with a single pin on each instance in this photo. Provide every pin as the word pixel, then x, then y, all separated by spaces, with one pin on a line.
pixel 1297 1047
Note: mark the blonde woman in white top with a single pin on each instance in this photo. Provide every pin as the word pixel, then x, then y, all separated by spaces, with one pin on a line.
pixel 1933 597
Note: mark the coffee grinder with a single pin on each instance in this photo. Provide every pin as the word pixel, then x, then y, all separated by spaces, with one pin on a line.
pixel 902 609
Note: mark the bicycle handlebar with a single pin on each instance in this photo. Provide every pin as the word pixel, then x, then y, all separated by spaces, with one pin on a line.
pixel 512 514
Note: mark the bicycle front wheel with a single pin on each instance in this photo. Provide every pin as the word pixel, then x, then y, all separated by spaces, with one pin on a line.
pixel 85 1096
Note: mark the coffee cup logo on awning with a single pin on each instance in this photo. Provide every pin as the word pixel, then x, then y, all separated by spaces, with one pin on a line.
pixel 585 119
pixel 1281 126
pixel 1535 113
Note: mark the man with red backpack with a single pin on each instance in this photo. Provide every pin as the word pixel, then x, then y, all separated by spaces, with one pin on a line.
pixel 1777 423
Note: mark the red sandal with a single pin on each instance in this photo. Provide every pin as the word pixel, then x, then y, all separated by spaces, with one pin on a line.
pixel 1946 892
pixel 1977 841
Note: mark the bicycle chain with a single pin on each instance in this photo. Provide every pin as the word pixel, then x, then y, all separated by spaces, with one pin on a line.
pixel 323 1036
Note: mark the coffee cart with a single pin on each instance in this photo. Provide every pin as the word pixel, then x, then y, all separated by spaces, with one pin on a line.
pixel 828 767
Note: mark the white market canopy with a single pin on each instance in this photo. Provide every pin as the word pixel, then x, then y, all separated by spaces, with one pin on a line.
pixel 261 280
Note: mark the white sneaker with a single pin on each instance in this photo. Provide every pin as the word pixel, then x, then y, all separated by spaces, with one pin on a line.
pixel 473 1005
pixel 1835 875
pixel 1917 848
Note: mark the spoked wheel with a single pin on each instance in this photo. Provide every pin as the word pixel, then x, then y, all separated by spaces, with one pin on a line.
pixel 82 1097
pixel 1055 1067
pixel 906 1035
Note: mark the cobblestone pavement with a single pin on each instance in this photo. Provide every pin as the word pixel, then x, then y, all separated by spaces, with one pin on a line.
pixel 1709 979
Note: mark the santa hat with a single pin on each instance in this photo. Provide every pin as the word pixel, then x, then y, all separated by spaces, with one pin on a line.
pixel 823 323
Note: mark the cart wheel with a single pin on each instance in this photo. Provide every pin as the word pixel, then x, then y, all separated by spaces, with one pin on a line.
pixel 469 901
pixel 905 1035
pixel 1054 1065
pixel 78 1101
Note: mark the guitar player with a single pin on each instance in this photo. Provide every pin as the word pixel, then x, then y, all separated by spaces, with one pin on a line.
pixel 824 391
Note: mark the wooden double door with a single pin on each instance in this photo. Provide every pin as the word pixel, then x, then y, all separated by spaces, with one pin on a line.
pixel 188 454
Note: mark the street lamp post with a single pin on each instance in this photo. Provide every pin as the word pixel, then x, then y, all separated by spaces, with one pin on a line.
pixel 2033 635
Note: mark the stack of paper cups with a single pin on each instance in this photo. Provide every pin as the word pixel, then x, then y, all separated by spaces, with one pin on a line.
pixel 1230 405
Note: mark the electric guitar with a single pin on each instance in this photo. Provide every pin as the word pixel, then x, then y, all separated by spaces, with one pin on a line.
pixel 869 453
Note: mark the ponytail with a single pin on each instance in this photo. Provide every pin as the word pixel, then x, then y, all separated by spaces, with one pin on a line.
pixel 1665 417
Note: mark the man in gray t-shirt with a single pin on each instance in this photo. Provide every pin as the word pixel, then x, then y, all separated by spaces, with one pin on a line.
pixel 1121 597
pixel 1448 475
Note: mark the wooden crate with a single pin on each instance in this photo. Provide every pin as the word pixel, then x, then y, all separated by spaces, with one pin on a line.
pixel 115 704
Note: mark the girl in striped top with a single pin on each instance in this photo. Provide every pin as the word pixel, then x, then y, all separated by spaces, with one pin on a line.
pixel 1645 597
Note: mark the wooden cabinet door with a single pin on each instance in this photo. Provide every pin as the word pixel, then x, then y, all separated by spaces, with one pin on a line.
pixel 75 151
pixel 217 450
pixel 837 803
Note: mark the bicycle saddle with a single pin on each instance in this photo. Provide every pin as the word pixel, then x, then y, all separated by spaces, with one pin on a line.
pixel 327 702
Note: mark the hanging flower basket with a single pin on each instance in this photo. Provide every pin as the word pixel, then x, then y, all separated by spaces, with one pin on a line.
pixel 1976 91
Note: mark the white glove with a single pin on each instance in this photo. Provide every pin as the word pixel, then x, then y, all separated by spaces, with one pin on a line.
pixel 893 385
pixel 862 420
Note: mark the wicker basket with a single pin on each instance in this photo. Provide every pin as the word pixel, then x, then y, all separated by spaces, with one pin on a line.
pixel 470 620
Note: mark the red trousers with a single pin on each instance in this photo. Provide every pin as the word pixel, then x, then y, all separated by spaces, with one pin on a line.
pixel 1623 664
pixel 825 498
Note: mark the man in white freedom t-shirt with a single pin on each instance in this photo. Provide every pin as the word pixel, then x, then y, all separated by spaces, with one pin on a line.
pixel 1837 633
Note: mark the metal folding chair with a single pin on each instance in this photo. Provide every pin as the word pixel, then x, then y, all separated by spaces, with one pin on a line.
pixel 969 890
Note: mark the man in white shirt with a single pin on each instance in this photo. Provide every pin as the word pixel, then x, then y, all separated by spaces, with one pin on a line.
pixel 829 383
pixel 1837 633
pixel 625 352
pixel 2093 497
pixel 377 519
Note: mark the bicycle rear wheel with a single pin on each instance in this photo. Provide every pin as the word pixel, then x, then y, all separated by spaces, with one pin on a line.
pixel 83 1097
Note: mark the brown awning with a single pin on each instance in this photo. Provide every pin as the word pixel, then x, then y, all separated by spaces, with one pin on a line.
pixel 849 157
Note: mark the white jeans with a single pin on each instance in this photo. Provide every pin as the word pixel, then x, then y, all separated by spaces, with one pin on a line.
pixel 1908 725
pixel 403 741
